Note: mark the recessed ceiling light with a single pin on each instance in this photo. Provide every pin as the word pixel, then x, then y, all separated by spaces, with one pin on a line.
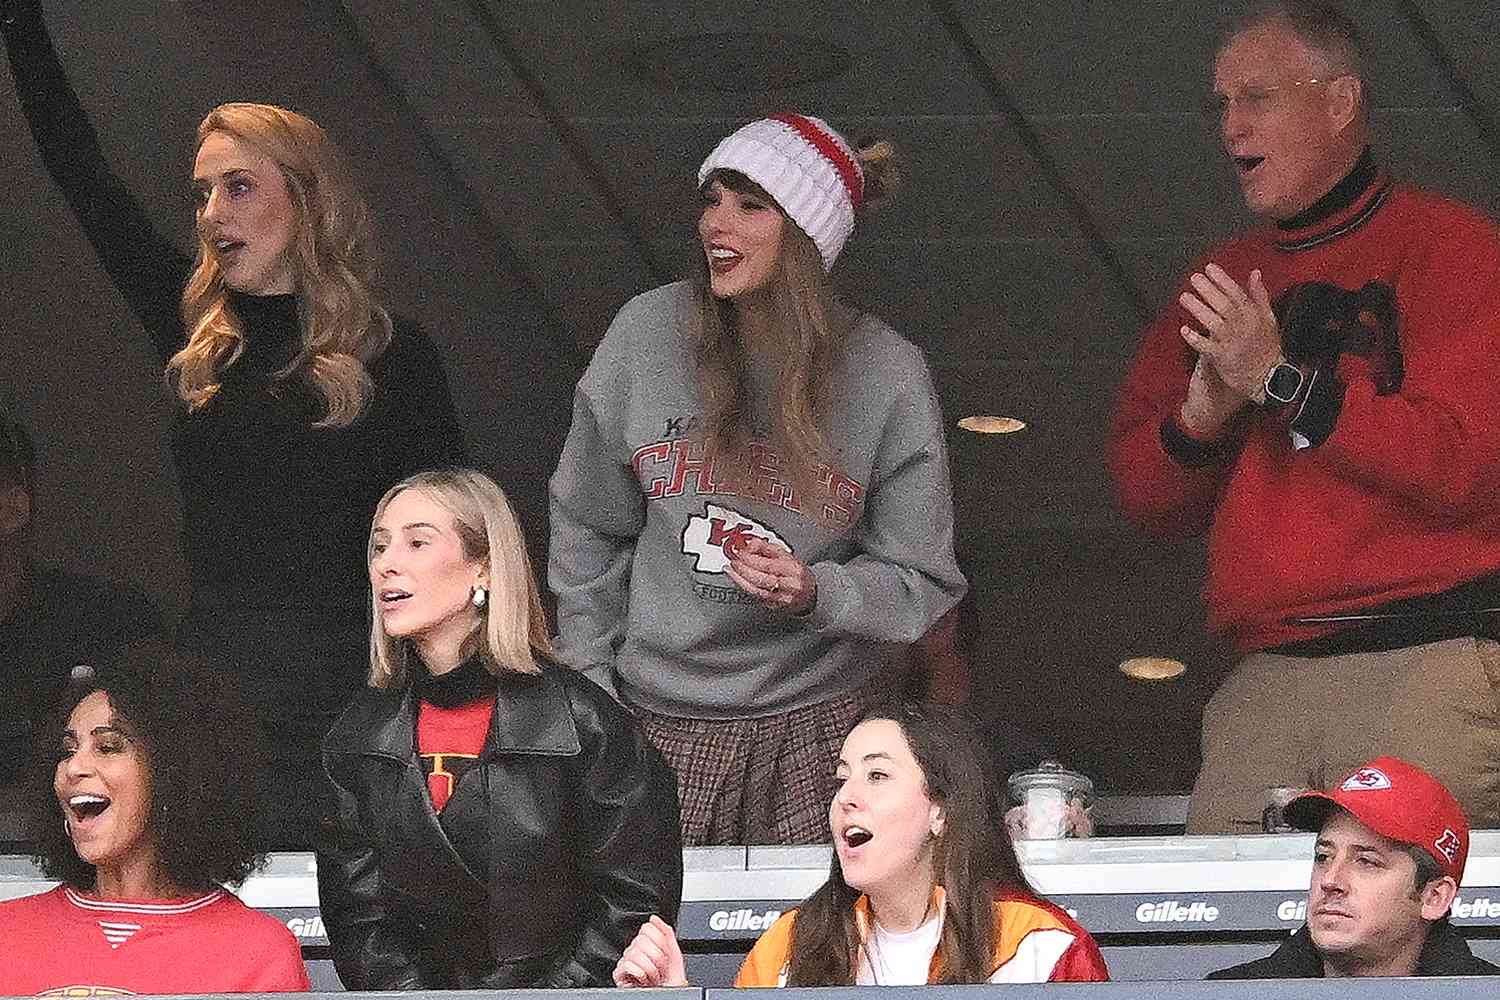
pixel 737 62
pixel 992 425
pixel 1152 668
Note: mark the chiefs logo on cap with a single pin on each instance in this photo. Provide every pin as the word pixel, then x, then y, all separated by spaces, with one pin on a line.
pixel 1448 845
pixel 1366 779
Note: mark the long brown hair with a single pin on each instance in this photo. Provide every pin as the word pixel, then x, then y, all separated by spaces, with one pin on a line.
pixel 810 330
pixel 810 326
pixel 333 263
pixel 973 859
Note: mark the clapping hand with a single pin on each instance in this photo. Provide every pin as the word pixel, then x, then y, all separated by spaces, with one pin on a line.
pixel 1239 343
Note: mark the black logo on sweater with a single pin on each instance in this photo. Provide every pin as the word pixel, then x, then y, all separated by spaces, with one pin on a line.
pixel 1323 324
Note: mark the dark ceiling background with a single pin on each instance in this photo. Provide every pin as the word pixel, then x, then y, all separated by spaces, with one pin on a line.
pixel 531 166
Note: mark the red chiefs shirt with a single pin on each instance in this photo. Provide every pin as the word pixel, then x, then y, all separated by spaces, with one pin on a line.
pixel 453 719
pixel 68 943
pixel 448 742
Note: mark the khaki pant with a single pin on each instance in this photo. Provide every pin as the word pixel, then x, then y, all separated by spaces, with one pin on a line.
pixel 1306 721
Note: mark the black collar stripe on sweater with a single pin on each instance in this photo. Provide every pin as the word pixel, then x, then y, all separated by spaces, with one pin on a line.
pixel 1343 229
pixel 1339 199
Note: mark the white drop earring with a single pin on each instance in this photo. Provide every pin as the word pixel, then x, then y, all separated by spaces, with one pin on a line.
pixel 479 596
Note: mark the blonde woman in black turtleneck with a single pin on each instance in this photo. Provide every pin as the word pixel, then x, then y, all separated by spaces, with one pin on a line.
pixel 301 400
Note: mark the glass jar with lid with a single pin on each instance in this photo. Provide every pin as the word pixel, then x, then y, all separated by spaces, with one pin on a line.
pixel 1049 802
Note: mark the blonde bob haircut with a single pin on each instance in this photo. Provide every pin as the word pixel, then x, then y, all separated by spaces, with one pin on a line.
pixel 515 626
pixel 333 266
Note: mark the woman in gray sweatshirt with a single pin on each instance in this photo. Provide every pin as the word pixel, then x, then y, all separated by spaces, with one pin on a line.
pixel 752 510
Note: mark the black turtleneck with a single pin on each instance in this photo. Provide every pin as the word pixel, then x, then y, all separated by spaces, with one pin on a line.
pixel 275 511
pixel 1343 194
pixel 277 332
pixel 468 682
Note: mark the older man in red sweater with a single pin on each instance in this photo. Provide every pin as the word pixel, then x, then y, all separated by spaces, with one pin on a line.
pixel 1323 399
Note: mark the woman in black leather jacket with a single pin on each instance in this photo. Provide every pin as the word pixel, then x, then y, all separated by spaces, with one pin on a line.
pixel 502 822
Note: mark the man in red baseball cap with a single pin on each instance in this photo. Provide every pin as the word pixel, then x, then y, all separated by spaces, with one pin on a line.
pixel 1392 842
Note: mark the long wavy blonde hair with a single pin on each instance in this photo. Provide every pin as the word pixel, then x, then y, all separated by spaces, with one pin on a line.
pixel 515 627
pixel 333 264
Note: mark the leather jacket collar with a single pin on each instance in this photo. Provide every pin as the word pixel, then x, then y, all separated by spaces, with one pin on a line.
pixel 531 717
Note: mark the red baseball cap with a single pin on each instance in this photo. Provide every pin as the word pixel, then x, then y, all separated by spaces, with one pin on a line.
pixel 1397 800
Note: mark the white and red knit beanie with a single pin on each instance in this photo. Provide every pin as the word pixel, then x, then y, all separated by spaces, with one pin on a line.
pixel 811 171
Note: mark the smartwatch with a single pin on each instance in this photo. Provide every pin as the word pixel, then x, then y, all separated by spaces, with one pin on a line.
pixel 1283 382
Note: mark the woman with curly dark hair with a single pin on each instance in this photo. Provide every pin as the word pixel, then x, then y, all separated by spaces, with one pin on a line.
pixel 141 807
pixel 924 887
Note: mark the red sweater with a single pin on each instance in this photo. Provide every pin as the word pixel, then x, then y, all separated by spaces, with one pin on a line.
pixel 67 943
pixel 1402 498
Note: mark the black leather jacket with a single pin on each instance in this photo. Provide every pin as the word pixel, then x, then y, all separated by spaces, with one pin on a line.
pixel 574 810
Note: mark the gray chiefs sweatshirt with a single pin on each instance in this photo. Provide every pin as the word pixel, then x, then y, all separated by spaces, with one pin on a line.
pixel 641 527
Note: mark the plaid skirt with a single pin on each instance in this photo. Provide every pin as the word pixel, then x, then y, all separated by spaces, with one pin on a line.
pixel 767 780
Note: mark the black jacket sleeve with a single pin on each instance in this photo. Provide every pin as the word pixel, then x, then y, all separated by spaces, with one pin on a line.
pixel 629 846
pixel 147 268
pixel 372 950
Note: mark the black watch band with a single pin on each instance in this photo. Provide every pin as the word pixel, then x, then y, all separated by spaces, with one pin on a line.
pixel 1283 383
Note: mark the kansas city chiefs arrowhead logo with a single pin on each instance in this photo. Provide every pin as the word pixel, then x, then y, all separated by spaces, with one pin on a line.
pixel 720 532
pixel 1366 779
pixel 1448 845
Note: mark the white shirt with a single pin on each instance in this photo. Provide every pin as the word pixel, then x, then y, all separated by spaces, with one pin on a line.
pixel 899 959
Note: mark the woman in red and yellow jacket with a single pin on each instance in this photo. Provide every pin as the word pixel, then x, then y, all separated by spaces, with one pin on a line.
pixel 924 885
